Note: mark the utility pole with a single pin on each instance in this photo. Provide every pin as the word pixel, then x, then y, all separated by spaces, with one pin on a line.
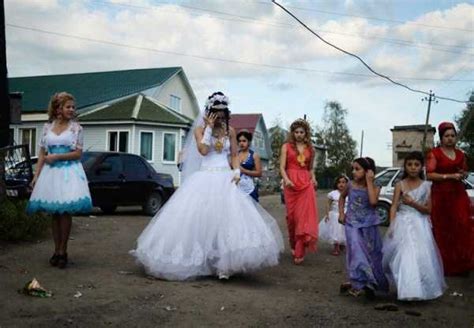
pixel 429 99
pixel 361 143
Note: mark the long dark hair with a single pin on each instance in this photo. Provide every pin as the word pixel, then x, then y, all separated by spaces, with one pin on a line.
pixel 417 156
pixel 367 163
pixel 336 181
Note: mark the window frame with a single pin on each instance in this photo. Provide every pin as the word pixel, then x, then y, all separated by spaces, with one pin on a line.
pixel 152 144
pixel 175 148
pixel 172 96
pixel 107 141
pixel 32 146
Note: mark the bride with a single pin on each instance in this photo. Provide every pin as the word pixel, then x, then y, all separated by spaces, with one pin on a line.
pixel 209 226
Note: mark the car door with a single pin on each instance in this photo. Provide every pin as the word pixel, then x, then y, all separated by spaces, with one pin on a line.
pixel 106 180
pixel 138 180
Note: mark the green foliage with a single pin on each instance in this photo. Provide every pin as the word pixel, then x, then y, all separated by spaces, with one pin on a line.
pixel 335 135
pixel 16 225
pixel 277 136
pixel 465 121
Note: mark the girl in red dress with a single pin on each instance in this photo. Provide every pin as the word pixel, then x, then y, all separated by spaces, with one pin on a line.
pixel 296 168
pixel 452 227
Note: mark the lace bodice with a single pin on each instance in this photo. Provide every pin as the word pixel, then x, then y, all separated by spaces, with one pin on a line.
pixel 72 137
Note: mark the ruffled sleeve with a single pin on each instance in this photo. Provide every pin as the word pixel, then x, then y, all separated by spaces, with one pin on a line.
pixel 78 142
pixel 431 162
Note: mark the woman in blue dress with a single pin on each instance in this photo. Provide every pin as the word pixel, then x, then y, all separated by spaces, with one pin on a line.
pixel 250 166
pixel 60 185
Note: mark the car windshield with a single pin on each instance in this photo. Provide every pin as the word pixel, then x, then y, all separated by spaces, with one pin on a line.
pixel 88 159
pixel 470 178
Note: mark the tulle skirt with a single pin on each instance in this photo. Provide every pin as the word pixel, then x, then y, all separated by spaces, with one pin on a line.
pixel 61 188
pixel 332 231
pixel 208 227
pixel 411 258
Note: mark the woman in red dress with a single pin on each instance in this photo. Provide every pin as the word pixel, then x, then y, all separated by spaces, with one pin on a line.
pixel 296 168
pixel 452 227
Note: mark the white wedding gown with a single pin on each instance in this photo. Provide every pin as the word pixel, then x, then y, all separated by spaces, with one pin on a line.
pixel 209 227
pixel 410 255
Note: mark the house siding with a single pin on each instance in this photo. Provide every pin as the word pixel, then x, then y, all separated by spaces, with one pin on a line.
pixel 177 87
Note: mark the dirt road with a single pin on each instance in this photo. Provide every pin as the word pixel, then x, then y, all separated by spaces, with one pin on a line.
pixel 111 291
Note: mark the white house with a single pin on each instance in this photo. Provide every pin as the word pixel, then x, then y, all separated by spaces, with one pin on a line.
pixel 146 111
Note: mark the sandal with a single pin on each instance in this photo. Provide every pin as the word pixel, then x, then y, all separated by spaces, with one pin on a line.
pixel 335 252
pixel 345 287
pixel 54 260
pixel 356 292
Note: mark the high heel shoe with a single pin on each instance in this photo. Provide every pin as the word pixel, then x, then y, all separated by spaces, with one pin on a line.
pixel 62 261
pixel 54 260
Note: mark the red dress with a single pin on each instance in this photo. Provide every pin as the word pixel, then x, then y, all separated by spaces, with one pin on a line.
pixel 300 200
pixel 453 228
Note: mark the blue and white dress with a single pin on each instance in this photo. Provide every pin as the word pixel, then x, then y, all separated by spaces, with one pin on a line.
pixel 62 186
pixel 246 183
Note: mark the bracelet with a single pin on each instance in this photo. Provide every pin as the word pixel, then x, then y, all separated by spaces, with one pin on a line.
pixel 236 173
pixel 206 138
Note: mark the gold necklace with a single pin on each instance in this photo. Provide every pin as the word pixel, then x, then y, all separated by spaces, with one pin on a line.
pixel 301 158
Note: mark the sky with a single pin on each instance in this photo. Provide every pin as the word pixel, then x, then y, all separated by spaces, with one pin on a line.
pixel 262 59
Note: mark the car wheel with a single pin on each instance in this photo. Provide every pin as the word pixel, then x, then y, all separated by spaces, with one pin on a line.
pixel 383 210
pixel 108 209
pixel 153 204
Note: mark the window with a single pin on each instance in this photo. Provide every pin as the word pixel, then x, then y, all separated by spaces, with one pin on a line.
pixel 118 141
pixel 135 168
pixel 28 137
pixel 169 147
pixel 115 166
pixel 175 103
pixel 146 145
pixel 384 179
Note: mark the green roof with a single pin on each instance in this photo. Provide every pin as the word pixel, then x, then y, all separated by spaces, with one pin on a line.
pixel 124 110
pixel 87 88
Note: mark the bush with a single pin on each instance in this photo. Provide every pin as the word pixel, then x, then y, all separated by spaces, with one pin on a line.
pixel 16 224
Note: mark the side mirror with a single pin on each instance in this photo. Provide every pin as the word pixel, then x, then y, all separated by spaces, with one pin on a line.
pixel 103 167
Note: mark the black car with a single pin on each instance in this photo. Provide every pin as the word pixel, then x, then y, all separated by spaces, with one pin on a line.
pixel 120 179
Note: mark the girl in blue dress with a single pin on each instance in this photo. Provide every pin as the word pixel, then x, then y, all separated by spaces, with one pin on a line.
pixel 250 166
pixel 59 184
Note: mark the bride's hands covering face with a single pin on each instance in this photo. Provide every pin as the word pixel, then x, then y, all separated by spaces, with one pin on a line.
pixel 210 119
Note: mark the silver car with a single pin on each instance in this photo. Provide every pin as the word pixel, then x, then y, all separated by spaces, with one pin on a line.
pixel 387 180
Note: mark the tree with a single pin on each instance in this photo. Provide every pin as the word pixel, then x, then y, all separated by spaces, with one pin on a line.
pixel 277 137
pixel 335 135
pixel 465 122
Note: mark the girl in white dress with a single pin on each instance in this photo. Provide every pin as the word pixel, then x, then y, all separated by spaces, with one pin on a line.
pixel 209 226
pixel 330 230
pixel 59 184
pixel 411 257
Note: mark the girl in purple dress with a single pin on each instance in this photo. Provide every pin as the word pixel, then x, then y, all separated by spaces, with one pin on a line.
pixel 363 242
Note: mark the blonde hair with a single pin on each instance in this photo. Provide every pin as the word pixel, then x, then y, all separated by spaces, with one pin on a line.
pixel 57 101
pixel 300 123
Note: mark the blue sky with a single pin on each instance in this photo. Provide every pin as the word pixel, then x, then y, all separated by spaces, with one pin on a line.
pixel 437 39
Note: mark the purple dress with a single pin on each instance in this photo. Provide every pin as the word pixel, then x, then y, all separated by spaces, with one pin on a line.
pixel 364 245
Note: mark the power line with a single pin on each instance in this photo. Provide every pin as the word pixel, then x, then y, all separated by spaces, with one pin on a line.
pixel 253 20
pixel 376 18
pixel 360 59
pixel 233 61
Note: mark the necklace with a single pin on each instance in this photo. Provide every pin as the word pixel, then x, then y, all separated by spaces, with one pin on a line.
pixel 301 158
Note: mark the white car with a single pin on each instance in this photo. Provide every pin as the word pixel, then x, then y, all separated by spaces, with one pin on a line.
pixel 387 179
